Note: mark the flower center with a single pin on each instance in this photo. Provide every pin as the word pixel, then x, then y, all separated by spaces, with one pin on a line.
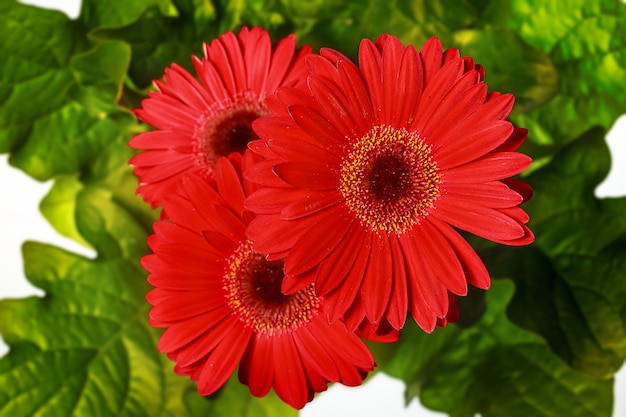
pixel 226 128
pixel 389 179
pixel 253 286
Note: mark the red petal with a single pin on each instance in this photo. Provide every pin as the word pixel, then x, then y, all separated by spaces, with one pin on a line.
pixel 399 302
pixel 334 269
pixel 257 369
pixel 392 52
pixel 290 382
pixel 222 362
pixel 318 241
pixel 482 221
pixel 495 166
pixel 311 203
pixel 161 139
pixel 377 282
pixel 493 194
pixel 409 88
pixel 270 234
pixel 343 296
pixel 257 51
pixel 370 65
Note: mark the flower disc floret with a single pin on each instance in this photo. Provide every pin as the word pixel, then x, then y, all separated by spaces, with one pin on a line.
pixel 389 180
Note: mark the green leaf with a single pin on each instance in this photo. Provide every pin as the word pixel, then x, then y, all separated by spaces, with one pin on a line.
pixel 86 348
pixel 572 282
pixel 98 14
pixel 61 200
pixel 534 83
pixel 412 21
pixel 72 92
pixel 496 369
pixel 36 49
pixel 586 41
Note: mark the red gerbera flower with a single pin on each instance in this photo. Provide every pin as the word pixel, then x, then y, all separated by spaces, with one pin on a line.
pixel 222 305
pixel 197 122
pixel 369 173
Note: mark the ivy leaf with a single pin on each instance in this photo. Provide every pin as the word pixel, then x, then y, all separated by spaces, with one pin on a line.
pixel 37 47
pixel 495 369
pixel 572 282
pixel 534 83
pixel 97 14
pixel 586 41
pixel 71 88
pixel 85 348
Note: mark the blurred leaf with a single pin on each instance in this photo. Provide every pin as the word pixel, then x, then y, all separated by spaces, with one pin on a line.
pixel 98 14
pixel 533 83
pixel 496 369
pixel 37 47
pixel 86 348
pixel 73 95
pixel 58 203
pixel 572 283
pixel 586 41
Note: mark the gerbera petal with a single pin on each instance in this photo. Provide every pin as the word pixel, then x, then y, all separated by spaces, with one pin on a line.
pixel 180 334
pixel 282 56
pixel 343 345
pixel 492 194
pixel 259 373
pixel 377 282
pixel 229 185
pixel 397 309
pixel 314 353
pixel 290 381
pixel 210 79
pixel 271 234
pixel 225 53
pixel 163 112
pixel 311 176
pixel 464 98
pixel 257 50
pixel 341 298
pixel 334 106
pixel 435 93
pixel 482 221
pixel 493 167
pixel 222 362
pixel 408 87
pixel 317 127
pixel 311 203
pixel 447 267
pixel 216 333
pixel 518 136
pixel 178 305
pixel 370 63
pixel 318 241
pixel 331 272
pixel 181 84
pixel 418 307
pixel 356 93
pixel 431 54
pixel 392 52
pixel 161 139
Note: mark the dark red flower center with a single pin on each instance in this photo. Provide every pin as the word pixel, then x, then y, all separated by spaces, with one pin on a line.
pixel 253 286
pixel 226 128
pixel 389 179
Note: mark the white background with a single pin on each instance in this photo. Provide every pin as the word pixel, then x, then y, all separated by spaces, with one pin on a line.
pixel 20 220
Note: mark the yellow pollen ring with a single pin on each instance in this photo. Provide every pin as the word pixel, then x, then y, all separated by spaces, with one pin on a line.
pixel 389 179
pixel 264 307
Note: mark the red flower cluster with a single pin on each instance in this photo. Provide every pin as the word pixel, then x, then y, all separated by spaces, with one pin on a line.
pixel 311 203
